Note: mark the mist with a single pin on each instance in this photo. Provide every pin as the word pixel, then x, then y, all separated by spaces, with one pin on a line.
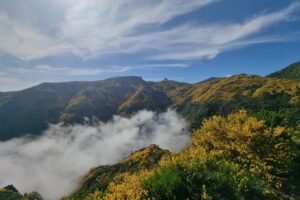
pixel 53 163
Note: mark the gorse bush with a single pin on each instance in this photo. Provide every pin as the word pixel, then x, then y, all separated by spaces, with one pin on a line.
pixel 248 142
pixel 213 178
pixel 233 157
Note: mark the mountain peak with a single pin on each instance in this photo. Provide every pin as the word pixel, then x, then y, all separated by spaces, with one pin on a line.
pixel 143 155
pixel 11 188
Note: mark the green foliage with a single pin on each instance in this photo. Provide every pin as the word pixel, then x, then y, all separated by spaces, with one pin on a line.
pixel 232 157
pixel 32 196
pixel 11 193
pixel 239 156
pixel 226 95
pixel 32 109
pixel 209 179
pixel 271 118
pixel 291 72
pixel 263 150
pixel 166 183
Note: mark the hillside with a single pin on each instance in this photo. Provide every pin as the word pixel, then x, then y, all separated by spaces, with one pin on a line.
pixel 291 72
pixel 239 154
pixel 225 95
pixel 31 110
pixel 232 157
pixel 98 178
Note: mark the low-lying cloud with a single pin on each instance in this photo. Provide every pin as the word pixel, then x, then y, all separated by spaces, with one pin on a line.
pixel 53 163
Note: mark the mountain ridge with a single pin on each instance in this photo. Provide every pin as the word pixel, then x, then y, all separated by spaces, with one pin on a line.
pixel 291 72
pixel 31 110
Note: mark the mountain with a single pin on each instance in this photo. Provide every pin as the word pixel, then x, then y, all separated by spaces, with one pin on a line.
pixel 291 72
pixel 30 111
pixel 240 166
pixel 225 95
pixel 4 96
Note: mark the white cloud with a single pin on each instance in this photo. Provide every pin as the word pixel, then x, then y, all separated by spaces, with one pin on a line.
pixel 208 41
pixel 101 27
pixel 53 163
pixel 93 28
pixel 68 71
pixel 116 28
pixel 25 42
pixel 163 65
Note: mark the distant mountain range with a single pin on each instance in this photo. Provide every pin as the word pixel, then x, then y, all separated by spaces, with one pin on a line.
pixel 31 110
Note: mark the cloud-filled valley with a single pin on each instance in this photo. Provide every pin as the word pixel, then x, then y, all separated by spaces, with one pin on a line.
pixel 149 99
pixel 53 163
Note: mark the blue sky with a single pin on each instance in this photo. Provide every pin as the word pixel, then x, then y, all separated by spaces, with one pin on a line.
pixel 183 40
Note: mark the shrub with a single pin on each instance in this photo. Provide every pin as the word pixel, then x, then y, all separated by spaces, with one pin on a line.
pixel 166 183
pixel 249 143
pixel 213 178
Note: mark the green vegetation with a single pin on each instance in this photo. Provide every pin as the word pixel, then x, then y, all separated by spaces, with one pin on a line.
pixel 211 179
pixel 232 157
pixel 34 108
pixel 166 183
pixel 292 72
pixel 255 94
pixel 11 193
pixel 245 142
pixel 236 157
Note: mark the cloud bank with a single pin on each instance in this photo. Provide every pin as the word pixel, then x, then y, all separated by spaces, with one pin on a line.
pixel 93 28
pixel 53 163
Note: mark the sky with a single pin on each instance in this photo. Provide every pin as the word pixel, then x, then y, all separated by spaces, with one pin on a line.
pixel 182 40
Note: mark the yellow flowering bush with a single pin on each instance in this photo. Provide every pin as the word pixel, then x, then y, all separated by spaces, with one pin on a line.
pixel 248 142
